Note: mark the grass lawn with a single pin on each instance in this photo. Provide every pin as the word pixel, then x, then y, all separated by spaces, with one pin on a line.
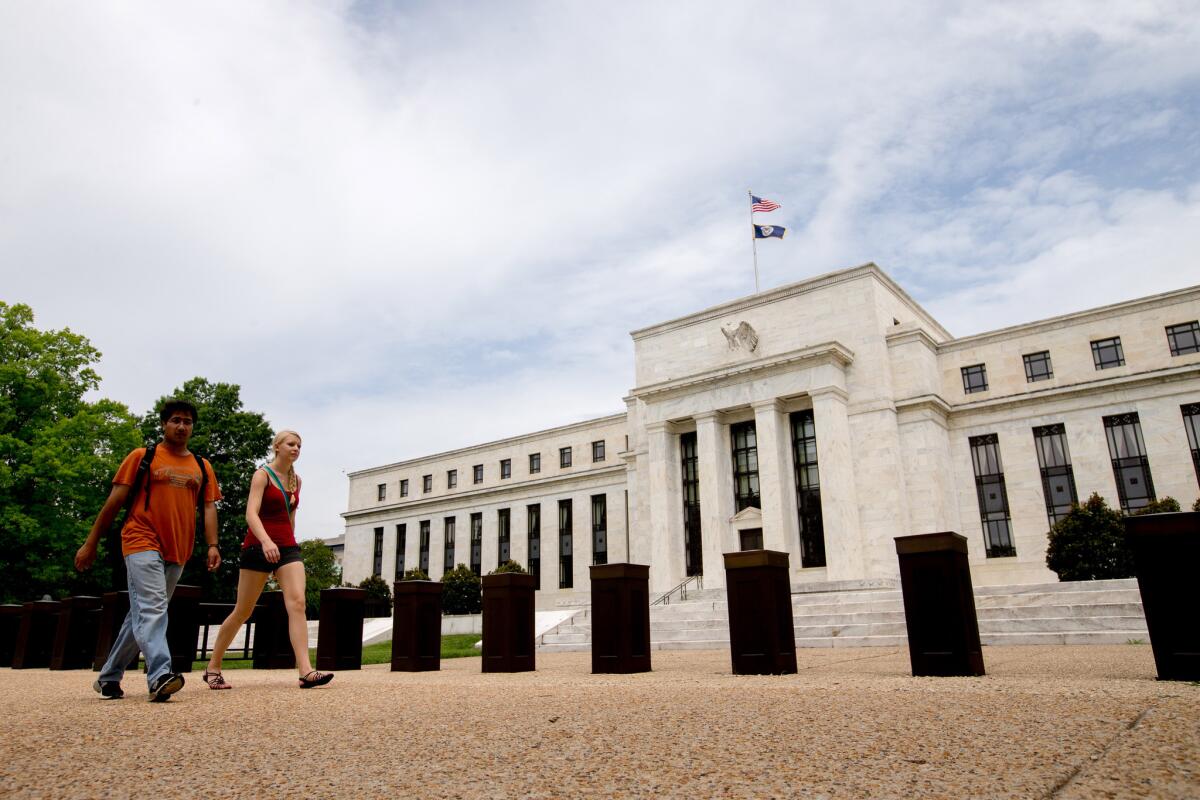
pixel 459 645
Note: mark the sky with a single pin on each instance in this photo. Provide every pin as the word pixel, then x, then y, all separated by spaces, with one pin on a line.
pixel 407 227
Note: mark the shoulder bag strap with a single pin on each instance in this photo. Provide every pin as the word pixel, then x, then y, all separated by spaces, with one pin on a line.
pixel 286 500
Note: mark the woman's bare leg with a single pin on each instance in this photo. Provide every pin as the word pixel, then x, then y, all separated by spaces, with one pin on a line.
pixel 291 581
pixel 250 586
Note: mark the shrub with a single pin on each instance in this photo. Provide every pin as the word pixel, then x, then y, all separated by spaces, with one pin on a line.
pixel 379 596
pixel 321 571
pixel 1196 505
pixel 462 591
pixel 415 574
pixel 1164 506
pixel 509 566
pixel 1089 544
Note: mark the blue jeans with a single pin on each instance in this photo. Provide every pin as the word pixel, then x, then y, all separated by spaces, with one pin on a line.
pixel 151 584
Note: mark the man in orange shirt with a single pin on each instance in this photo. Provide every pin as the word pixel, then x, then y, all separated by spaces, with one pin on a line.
pixel 156 541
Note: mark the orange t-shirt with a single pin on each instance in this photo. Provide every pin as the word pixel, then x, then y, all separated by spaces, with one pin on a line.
pixel 169 524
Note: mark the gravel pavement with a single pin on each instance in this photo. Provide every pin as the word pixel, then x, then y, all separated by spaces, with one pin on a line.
pixel 1046 722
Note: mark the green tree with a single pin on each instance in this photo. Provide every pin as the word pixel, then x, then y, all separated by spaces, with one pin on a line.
pixel 58 454
pixel 235 442
pixel 462 591
pixel 379 596
pixel 509 566
pixel 1165 505
pixel 321 571
pixel 1089 544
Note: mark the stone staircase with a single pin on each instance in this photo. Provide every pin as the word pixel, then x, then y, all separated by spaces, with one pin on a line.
pixel 1087 612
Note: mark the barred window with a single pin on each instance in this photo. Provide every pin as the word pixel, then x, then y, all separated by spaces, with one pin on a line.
pixel 451 479
pixel 566 578
pixel 598 451
pixel 599 529
pixel 381 491
pixel 505 468
pixel 503 535
pixel 533 516
pixel 992 496
pixel 564 457
pixel 1184 338
pixel 1107 353
pixel 448 538
pixel 404 488
pixel 401 531
pixel 1058 477
pixel 426 483
pixel 477 542
pixel 1191 424
pixel 974 378
pixel 808 489
pixel 1037 367
pixel 377 556
pixel 745 465
pixel 1135 487
pixel 423 554
pixel 535 463
pixel 477 473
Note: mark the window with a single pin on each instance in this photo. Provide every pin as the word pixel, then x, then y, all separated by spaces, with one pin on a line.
pixel 423 560
pixel 533 515
pixel 1184 338
pixel 503 535
pixel 381 491
pixel 404 488
pixel 505 468
pixel 693 553
pixel 448 537
pixel 377 559
pixel 1037 367
pixel 750 539
pixel 1107 353
pixel 992 496
pixel 1191 423
pixel 808 489
pixel 477 473
pixel 598 451
pixel 535 463
pixel 401 530
pixel 477 543
pixel 1135 488
pixel 451 479
pixel 974 378
pixel 599 529
pixel 426 483
pixel 745 465
pixel 1058 478
pixel 565 564
pixel 564 457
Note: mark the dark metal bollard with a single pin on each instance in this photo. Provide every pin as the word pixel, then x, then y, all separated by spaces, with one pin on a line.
pixel 1166 550
pixel 272 647
pixel 10 626
pixel 939 605
pixel 508 623
pixel 35 637
pixel 183 626
pixel 75 636
pixel 340 627
pixel 620 618
pixel 762 635
pixel 416 626
pixel 114 607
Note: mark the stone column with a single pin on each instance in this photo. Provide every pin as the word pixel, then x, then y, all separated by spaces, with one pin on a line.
pixel 666 507
pixel 715 467
pixel 518 535
pixel 776 481
pixel 839 497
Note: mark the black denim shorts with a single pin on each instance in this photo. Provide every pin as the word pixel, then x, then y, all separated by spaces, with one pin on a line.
pixel 253 558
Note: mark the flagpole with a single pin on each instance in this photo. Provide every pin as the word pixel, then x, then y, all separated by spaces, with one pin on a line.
pixel 753 239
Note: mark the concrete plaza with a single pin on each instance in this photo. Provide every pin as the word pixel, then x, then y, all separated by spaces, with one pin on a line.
pixel 1046 722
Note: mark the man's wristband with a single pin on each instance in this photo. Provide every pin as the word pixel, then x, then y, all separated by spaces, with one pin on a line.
pixel 213 545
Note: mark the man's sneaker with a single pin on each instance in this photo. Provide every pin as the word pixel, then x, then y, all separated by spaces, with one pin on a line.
pixel 165 686
pixel 109 690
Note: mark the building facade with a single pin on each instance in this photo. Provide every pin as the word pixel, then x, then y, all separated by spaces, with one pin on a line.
pixel 823 419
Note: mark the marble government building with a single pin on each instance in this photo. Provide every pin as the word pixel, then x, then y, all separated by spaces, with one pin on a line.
pixel 823 418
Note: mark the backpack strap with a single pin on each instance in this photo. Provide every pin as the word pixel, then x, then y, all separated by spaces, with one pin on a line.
pixel 142 477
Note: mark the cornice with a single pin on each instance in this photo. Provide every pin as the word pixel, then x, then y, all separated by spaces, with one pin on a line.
pixel 485 493
pixel 826 352
pixel 514 440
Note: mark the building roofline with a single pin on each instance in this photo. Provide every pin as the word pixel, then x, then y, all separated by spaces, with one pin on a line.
pixel 870 269
pixel 1062 320
pixel 574 426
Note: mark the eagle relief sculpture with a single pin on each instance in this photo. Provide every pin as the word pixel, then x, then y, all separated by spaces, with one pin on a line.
pixel 741 336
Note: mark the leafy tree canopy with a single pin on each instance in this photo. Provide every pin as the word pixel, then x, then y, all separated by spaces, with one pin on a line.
pixel 58 454
pixel 1089 544
pixel 235 442
pixel 321 572
pixel 462 591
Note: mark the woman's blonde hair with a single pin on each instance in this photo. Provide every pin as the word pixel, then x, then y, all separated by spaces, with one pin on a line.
pixel 278 440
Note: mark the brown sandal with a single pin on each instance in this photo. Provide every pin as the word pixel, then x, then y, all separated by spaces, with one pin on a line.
pixel 314 679
pixel 216 680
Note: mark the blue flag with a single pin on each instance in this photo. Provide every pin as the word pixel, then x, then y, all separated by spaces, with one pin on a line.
pixel 769 231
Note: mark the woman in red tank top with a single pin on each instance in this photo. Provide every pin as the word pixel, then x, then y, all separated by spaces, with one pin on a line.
pixel 270 547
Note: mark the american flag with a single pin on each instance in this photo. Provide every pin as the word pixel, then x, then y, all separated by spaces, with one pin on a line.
pixel 761 204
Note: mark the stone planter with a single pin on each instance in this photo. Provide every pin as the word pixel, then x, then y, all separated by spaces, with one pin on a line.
pixel 1166 550
pixel 339 630
pixel 272 647
pixel 10 626
pixel 75 637
pixel 508 623
pixel 183 626
pixel 35 637
pixel 416 626
pixel 762 637
pixel 620 618
pixel 939 605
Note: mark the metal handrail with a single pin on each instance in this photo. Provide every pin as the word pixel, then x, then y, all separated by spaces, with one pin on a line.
pixel 665 599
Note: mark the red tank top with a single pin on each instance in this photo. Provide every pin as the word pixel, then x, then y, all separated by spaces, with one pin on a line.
pixel 274 516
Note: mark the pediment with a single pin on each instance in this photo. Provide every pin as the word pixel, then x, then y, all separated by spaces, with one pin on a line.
pixel 750 514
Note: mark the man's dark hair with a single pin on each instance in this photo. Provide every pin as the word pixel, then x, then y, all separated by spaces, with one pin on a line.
pixel 173 405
